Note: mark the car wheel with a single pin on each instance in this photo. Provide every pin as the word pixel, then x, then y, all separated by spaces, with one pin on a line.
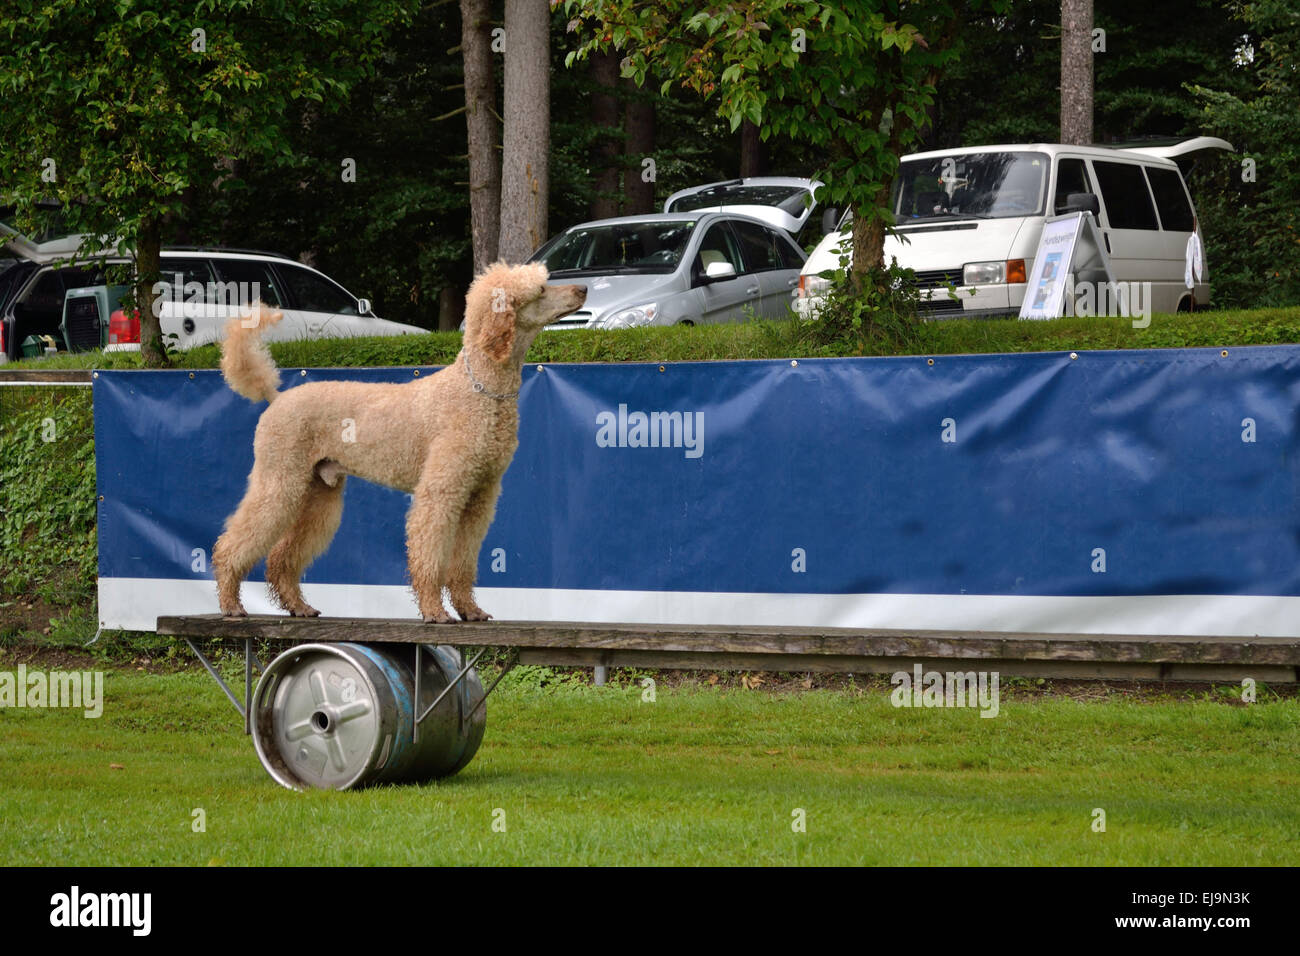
pixel 685 322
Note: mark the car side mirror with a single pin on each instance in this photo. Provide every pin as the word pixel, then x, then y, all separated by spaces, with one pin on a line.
pixel 363 306
pixel 830 219
pixel 716 271
pixel 1083 202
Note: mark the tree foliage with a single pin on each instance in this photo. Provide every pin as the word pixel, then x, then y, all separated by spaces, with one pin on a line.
pixel 1254 224
pixel 117 108
pixel 851 82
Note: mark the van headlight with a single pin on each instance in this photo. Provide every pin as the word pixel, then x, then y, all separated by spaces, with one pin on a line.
pixel 984 273
pixel 632 318
pixel 993 273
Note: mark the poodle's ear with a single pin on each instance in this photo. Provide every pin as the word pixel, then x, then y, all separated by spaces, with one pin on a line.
pixel 497 325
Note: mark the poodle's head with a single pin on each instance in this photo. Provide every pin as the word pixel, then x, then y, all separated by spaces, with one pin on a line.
pixel 507 306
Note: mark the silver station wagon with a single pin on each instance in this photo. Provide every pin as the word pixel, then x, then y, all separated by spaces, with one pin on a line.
pixel 675 268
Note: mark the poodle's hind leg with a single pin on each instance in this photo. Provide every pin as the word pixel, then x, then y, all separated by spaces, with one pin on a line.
pixel 307 539
pixel 268 510
pixel 473 528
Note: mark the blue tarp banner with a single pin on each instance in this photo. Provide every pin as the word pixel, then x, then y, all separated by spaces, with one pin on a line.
pixel 1127 491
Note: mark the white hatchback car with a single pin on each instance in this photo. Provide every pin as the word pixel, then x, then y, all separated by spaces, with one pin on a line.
pixel 972 218
pixel 200 290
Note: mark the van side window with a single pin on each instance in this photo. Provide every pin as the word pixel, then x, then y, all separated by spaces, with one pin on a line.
pixel 1171 199
pixel 1071 177
pixel 1125 195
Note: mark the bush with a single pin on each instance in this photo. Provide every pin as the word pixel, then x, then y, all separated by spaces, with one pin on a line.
pixel 47 511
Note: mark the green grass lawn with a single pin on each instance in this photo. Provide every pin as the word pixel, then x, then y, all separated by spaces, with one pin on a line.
pixel 704 775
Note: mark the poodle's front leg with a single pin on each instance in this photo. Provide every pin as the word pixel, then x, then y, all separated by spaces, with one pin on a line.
pixel 473 528
pixel 431 524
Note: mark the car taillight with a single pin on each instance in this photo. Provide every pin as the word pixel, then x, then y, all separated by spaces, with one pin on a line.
pixel 123 328
pixel 2 338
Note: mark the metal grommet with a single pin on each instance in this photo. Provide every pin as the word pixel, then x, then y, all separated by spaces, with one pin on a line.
pixel 192 374
pixel 794 363
pixel 303 373
pixel 540 368
pixel 1073 356
pixel 94 375
pixel 416 373
pixel 101 497
pixel 929 361
pixel 661 368
pixel 1224 353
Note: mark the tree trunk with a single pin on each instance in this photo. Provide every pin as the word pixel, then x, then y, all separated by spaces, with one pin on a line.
pixel 753 155
pixel 480 98
pixel 868 243
pixel 1076 72
pixel 451 309
pixel 526 143
pixel 604 116
pixel 638 181
pixel 147 264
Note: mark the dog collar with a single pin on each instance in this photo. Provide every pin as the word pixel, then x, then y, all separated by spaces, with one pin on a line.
pixel 479 387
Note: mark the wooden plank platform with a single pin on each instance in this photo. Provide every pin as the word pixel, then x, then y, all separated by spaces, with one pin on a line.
pixel 49 376
pixel 823 649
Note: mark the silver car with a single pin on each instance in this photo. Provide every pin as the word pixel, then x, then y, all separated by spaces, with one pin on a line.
pixel 675 268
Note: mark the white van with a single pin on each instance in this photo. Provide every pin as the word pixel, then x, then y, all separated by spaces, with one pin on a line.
pixel 972 218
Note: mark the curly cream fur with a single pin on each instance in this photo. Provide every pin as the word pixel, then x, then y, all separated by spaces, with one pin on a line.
pixel 434 437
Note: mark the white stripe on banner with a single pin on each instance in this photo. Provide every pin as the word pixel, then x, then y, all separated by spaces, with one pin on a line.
pixel 136 603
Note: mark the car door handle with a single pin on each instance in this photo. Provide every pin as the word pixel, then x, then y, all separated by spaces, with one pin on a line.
pixel 752 291
pixel 1106 236
pixel 791 283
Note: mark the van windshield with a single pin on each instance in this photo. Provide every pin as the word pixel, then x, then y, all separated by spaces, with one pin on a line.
pixel 970 186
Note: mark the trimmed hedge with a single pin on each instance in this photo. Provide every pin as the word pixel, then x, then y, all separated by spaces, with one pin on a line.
pixel 768 340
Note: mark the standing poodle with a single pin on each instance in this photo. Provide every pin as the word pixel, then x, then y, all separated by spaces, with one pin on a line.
pixel 446 439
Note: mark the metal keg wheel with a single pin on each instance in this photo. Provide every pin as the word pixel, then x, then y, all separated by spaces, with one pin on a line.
pixel 339 716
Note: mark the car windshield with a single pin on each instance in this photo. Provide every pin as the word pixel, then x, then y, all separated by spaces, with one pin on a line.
pixel 970 186
pixel 790 199
pixel 649 247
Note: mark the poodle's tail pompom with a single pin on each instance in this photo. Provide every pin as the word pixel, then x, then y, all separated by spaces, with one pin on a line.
pixel 246 362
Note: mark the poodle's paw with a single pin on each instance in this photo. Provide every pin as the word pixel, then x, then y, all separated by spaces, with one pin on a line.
pixel 236 611
pixel 440 617
pixel 474 613
pixel 303 610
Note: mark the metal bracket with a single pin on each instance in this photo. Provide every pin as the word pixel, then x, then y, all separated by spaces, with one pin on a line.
pixel 511 661
pixel 467 716
pixel 245 709
pixel 415 729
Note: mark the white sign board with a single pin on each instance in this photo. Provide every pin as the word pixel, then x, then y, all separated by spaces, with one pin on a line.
pixel 1045 294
